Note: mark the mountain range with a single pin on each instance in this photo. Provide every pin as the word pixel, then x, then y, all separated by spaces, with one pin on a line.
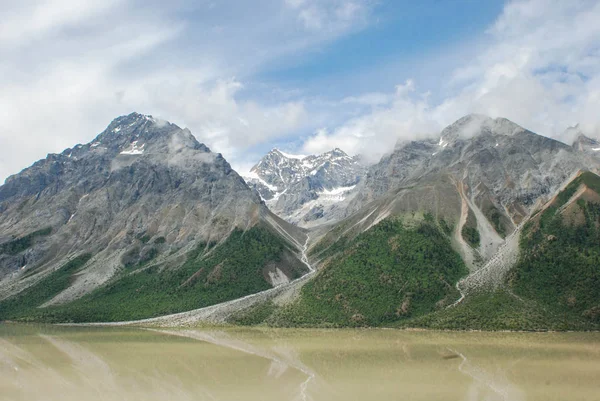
pixel 306 190
pixel 486 226
pixel 143 196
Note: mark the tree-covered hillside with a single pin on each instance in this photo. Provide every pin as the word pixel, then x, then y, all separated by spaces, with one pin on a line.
pixel 560 260
pixel 386 274
pixel 555 285
pixel 211 274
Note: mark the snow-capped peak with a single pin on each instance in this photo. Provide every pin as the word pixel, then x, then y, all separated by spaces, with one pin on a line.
pixel 289 155
pixel 288 181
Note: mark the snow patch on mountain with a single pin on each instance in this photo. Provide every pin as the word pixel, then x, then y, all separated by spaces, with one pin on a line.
pixel 336 194
pixel 303 188
pixel 252 176
pixel 134 149
pixel 290 156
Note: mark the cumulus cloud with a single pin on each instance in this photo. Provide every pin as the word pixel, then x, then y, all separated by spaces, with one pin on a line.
pixel 540 68
pixel 406 115
pixel 69 67
pixel 57 90
pixel 217 117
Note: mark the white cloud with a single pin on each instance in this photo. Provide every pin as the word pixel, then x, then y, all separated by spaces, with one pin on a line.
pixel 332 16
pixel 407 115
pixel 541 69
pixel 57 90
pixel 28 21
pixel 216 116
pixel 69 67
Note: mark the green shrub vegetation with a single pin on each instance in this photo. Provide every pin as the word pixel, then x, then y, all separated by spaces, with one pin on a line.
pixel 560 260
pixel 497 310
pixel 495 218
pixel 333 242
pixel 471 235
pixel 19 245
pixel 469 231
pixel 387 274
pixel 587 178
pixel 555 285
pixel 254 315
pixel 160 240
pixel 24 304
pixel 446 228
pixel 230 270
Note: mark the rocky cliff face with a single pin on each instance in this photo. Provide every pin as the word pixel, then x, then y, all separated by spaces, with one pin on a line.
pixel 495 157
pixel 491 158
pixel 482 176
pixel 306 190
pixel 512 205
pixel 141 188
pixel 585 144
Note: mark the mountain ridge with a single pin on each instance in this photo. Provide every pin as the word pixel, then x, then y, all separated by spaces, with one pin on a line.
pixel 477 186
pixel 305 189
pixel 144 194
pixel 381 254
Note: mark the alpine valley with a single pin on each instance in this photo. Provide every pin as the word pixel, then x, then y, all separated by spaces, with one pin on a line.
pixel 486 225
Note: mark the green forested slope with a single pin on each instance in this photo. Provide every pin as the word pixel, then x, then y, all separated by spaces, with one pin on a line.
pixel 560 260
pixel 556 283
pixel 384 275
pixel 231 270
pixel 25 303
pixel 19 245
pixel 393 275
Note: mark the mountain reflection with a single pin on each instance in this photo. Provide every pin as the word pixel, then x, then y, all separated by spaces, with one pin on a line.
pixel 487 384
pixel 296 365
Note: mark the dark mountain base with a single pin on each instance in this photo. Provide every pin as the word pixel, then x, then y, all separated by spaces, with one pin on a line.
pixel 391 276
pixel 211 274
pixel 387 274
pixel 500 310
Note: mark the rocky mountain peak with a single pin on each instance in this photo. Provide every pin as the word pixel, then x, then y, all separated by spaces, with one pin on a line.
pixel 133 133
pixel 285 155
pixel 298 187
pixel 473 125
pixel 130 139
pixel 336 152
pixel 584 143
pixel 141 177
pixel 501 165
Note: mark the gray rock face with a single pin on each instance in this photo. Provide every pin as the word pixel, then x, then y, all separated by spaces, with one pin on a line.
pixel 306 190
pixel 141 178
pixel 493 158
pixel 481 174
pixel 585 144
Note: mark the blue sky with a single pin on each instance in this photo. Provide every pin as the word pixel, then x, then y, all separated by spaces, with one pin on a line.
pixel 303 75
pixel 400 34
